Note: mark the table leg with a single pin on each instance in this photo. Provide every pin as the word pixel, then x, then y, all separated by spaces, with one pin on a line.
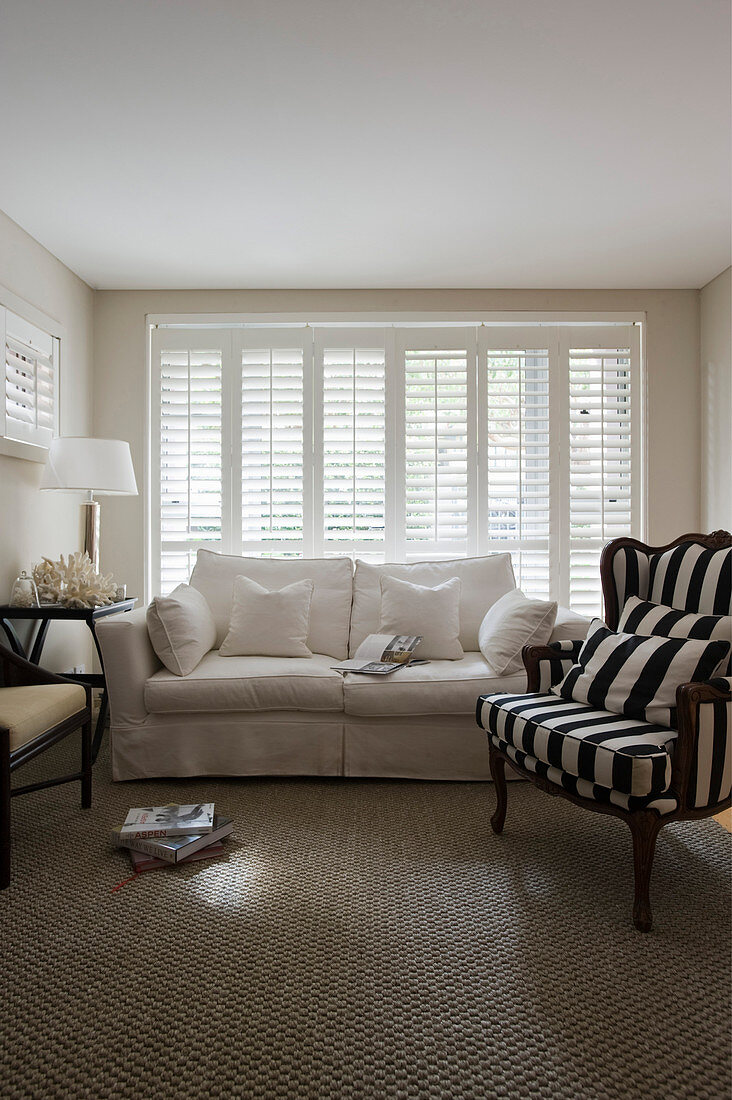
pixel 15 643
pixel 38 642
pixel 99 728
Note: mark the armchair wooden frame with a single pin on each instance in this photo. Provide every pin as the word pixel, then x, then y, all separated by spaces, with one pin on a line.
pixel 17 672
pixel 644 825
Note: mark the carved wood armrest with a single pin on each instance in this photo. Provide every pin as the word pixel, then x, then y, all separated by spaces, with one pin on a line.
pixel 547 664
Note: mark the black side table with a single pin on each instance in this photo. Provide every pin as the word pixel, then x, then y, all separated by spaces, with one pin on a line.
pixel 43 615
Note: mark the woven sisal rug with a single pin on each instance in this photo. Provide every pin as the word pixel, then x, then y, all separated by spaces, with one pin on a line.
pixel 360 939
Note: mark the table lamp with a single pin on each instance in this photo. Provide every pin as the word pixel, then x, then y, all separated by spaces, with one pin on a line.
pixel 102 466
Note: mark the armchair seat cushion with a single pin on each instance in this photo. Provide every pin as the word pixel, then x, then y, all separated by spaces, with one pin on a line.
pixel 615 752
pixel 664 803
pixel 29 711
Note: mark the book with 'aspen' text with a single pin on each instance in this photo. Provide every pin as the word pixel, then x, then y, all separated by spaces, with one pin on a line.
pixel 165 821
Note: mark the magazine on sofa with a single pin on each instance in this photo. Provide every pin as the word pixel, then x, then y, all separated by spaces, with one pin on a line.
pixel 381 654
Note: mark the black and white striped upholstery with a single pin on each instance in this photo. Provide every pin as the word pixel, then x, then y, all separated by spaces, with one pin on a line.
pixel 688 577
pixel 655 620
pixel 638 676
pixel 555 668
pixel 711 771
pixel 610 751
pixel 691 578
pixel 664 804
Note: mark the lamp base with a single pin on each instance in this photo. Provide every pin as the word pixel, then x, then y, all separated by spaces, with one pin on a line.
pixel 90 511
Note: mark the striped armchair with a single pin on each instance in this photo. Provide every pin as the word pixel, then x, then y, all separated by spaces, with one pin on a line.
pixel 646 772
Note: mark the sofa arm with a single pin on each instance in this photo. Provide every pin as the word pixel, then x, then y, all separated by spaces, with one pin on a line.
pixel 546 665
pixel 129 660
pixel 701 774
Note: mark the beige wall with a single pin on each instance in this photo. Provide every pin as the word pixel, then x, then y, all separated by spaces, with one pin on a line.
pixel 33 524
pixel 716 402
pixel 673 381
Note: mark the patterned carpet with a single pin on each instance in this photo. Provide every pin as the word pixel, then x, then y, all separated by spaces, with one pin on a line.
pixel 361 939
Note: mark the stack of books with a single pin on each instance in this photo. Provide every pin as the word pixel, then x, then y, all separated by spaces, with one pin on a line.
pixel 157 836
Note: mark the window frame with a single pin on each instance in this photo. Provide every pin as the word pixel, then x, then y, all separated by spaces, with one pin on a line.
pixel 521 330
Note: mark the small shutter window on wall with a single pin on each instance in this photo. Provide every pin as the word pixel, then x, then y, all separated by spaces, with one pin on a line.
pixel 29 413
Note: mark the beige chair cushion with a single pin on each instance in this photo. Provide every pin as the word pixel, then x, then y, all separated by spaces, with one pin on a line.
pixel 29 711
pixel 441 687
pixel 248 684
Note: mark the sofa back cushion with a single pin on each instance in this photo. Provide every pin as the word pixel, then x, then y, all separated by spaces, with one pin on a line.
pixel 482 582
pixel 213 575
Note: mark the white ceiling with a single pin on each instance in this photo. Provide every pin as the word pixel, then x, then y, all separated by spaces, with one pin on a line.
pixel 370 143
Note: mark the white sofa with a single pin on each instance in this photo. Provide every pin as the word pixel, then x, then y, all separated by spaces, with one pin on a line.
pixel 296 716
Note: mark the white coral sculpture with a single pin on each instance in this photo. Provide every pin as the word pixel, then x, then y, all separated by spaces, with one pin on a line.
pixel 73 582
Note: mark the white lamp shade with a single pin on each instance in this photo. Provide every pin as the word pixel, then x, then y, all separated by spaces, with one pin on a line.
pixel 101 466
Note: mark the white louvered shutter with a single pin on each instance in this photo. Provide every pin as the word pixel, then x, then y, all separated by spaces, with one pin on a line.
pixel 514 395
pixel 190 483
pixel 351 392
pixel 30 382
pixel 273 490
pixel 603 454
pixel 439 448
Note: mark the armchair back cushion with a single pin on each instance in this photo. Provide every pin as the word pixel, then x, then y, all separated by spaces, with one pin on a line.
pixel 482 582
pixel 330 608
pixel 688 577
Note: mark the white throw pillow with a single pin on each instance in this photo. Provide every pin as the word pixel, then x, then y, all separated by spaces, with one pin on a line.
pixel 513 622
pixel 569 626
pixel 432 612
pixel 268 624
pixel 181 628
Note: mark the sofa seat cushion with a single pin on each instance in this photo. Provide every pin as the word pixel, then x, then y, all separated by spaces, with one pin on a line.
pixel 221 684
pixel 619 753
pixel 665 803
pixel 440 687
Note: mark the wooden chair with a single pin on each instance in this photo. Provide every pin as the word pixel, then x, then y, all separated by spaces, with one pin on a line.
pixel 37 709
pixel 692 574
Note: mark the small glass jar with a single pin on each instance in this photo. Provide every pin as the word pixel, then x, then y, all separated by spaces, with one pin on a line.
pixel 24 593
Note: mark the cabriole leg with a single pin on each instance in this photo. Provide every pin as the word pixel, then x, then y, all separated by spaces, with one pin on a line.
pixel 645 826
pixel 498 775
